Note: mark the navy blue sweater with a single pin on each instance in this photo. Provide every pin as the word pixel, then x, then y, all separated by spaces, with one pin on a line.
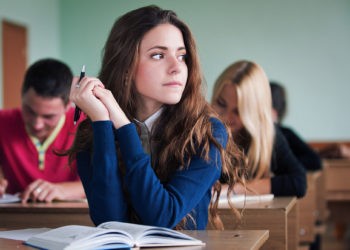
pixel 188 191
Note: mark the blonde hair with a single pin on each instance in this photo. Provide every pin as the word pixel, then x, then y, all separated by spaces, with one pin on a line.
pixel 255 107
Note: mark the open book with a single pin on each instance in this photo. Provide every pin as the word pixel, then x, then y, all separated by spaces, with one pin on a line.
pixel 9 198
pixel 110 235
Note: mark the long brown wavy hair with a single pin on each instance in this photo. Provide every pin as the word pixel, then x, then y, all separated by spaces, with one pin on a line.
pixel 182 127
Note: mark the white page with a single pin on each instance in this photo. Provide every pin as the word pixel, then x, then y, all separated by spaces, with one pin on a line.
pixel 22 234
pixel 76 237
pixel 9 198
pixel 155 235
pixel 238 199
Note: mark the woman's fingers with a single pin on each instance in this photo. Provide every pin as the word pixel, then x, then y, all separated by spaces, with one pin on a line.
pixel 83 96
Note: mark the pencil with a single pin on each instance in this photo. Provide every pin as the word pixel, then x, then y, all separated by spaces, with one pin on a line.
pixel 77 109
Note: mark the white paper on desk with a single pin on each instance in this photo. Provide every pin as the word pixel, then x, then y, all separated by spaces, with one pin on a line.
pixel 22 234
pixel 240 198
pixel 9 198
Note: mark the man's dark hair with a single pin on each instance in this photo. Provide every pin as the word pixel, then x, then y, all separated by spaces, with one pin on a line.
pixel 49 78
pixel 279 102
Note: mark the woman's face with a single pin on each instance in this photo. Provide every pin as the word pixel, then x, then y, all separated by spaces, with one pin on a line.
pixel 226 105
pixel 161 73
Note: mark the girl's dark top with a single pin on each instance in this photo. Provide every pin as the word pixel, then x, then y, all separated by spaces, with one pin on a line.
pixel 303 152
pixel 289 174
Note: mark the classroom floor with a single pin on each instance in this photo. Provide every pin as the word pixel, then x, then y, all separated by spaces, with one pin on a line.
pixel 330 242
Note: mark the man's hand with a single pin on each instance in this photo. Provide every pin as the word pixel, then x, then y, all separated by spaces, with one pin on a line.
pixel 3 186
pixel 44 191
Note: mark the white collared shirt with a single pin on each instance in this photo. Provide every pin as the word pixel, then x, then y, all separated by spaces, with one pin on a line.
pixel 146 129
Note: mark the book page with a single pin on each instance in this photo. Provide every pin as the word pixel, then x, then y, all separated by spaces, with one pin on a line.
pixel 134 230
pixel 77 237
pixel 153 236
pixel 22 234
pixel 9 198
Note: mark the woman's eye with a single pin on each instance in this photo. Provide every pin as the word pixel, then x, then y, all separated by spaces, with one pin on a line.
pixel 182 57
pixel 157 56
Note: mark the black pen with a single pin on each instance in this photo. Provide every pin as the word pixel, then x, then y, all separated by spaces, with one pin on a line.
pixel 77 109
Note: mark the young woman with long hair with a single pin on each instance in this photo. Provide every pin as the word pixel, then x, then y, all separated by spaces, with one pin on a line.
pixel 242 97
pixel 151 149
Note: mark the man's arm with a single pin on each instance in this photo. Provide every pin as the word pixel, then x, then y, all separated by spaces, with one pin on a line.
pixel 41 190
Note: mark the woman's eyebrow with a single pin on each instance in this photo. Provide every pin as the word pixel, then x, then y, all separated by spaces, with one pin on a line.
pixel 165 48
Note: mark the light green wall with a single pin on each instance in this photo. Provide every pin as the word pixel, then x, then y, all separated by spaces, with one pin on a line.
pixel 305 44
pixel 41 17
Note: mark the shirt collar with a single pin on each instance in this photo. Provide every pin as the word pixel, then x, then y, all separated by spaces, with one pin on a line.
pixel 150 120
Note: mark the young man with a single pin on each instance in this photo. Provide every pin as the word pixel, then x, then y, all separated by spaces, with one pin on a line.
pixel 31 136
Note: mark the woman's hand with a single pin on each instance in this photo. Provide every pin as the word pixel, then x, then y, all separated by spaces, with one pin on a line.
pixel 82 94
pixel 116 114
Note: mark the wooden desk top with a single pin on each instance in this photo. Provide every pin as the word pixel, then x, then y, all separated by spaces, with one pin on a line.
pixel 55 214
pixel 336 162
pixel 215 240
pixel 285 203
pixel 41 207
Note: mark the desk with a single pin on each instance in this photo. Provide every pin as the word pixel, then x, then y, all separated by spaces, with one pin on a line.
pixel 322 210
pixel 337 173
pixel 308 209
pixel 337 185
pixel 279 216
pixel 55 214
pixel 321 145
pixel 215 240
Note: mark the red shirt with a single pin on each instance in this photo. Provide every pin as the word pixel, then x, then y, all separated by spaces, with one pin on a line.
pixel 19 158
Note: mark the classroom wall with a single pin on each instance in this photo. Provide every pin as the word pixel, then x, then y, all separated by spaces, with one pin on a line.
pixel 41 17
pixel 303 44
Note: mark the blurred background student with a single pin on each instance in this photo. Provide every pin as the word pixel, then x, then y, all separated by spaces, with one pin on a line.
pixel 29 137
pixel 335 151
pixel 242 97
pixel 305 154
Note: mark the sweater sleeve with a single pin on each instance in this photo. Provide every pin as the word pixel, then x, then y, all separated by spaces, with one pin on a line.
pixel 289 174
pixel 305 154
pixel 188 189
pixel 101 178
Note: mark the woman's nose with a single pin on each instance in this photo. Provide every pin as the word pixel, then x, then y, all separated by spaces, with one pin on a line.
pixel 174 65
